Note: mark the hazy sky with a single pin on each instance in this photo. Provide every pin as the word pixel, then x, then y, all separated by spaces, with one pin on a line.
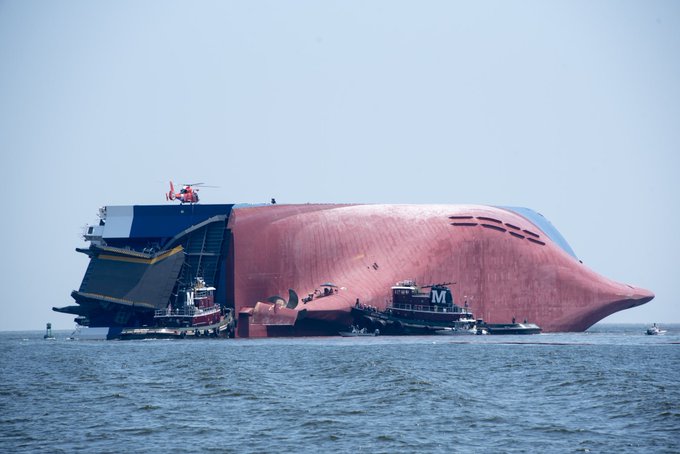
pixel 571 108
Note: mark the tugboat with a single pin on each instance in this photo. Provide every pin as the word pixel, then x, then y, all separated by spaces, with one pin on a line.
pixel 414 311
pixel 197 316
pixel 198 309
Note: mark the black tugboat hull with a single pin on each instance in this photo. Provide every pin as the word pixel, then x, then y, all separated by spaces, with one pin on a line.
pixel 391 324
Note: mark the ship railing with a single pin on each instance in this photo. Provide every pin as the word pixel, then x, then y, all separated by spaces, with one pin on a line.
pixel 430 308
pixel 189 311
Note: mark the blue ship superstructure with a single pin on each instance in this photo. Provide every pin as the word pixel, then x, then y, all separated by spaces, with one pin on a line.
pixel 142 256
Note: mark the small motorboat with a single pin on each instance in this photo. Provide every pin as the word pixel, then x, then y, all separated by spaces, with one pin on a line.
pixel 513 328
pixel 655 330
pixel 359 332
pixel 461 331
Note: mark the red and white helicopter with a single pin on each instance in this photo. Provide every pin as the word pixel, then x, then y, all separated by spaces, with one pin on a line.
pixel 188 193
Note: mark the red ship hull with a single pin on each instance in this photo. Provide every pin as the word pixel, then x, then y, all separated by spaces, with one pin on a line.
pixel 504 265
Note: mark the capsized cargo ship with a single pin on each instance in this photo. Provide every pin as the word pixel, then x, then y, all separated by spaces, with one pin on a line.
pixel 268 264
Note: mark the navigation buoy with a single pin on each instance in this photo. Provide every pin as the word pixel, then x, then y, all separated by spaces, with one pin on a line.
pixel 48 333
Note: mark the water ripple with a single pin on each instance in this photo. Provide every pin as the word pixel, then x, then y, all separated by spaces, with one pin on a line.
pixel 585 393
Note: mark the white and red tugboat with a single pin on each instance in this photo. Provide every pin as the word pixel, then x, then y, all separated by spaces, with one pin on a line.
pixel 198 316
pixel 198 308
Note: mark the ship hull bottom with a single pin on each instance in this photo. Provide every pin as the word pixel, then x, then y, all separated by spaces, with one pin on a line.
pixel 302 328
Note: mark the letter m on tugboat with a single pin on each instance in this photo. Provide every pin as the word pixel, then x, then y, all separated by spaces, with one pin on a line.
pixel 438 296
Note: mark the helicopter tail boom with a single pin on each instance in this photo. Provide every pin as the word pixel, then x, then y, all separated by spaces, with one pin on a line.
pixel 170 195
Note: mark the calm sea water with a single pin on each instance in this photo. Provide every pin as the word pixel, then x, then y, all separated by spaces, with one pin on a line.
pixel 611 389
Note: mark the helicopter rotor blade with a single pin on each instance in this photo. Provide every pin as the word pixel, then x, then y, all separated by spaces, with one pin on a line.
pixel 202 185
